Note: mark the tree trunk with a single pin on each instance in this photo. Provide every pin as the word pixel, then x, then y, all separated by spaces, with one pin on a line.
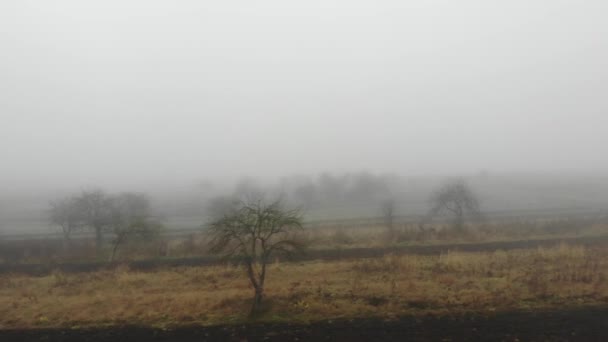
pixel 459 223
pixel 113 252
pixel 459 219
pixel 257 280
pixel 66 245
pixel 257 301
pixel 67 242
pixel 98 240
pixel 117 242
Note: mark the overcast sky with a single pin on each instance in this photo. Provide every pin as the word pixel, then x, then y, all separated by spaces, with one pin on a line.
pixel 108 92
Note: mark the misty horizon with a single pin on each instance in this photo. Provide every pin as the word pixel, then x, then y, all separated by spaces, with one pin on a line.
pixel 119 93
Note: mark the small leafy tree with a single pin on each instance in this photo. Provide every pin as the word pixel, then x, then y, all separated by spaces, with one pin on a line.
pixel 457 199
pixel 253 232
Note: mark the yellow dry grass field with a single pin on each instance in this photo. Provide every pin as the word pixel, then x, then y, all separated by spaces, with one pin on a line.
pixel 389 286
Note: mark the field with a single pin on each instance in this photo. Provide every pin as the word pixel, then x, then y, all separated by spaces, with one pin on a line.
pixel 417 286
pixel 560 277
pixel 326 236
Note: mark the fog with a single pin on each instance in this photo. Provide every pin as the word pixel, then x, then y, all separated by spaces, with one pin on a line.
pixel 163 96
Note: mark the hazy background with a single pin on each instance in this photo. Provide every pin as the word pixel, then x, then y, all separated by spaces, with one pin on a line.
pixel 171 96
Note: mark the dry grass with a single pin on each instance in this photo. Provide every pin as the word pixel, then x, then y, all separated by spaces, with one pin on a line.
pixel 388 286
pixel 411 234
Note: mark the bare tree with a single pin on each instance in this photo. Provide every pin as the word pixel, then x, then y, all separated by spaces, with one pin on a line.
pixel 457 199
pixel 129 217
pixel 96 210
pixel 252 233
pixel 67 214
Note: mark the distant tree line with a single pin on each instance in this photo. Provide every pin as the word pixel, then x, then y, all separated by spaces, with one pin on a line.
pixel 122 216
pixel 114 219
pixel 327 187
pixel 248 229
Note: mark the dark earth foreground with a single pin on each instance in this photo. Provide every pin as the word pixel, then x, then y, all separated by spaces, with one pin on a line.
pixel 589 324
